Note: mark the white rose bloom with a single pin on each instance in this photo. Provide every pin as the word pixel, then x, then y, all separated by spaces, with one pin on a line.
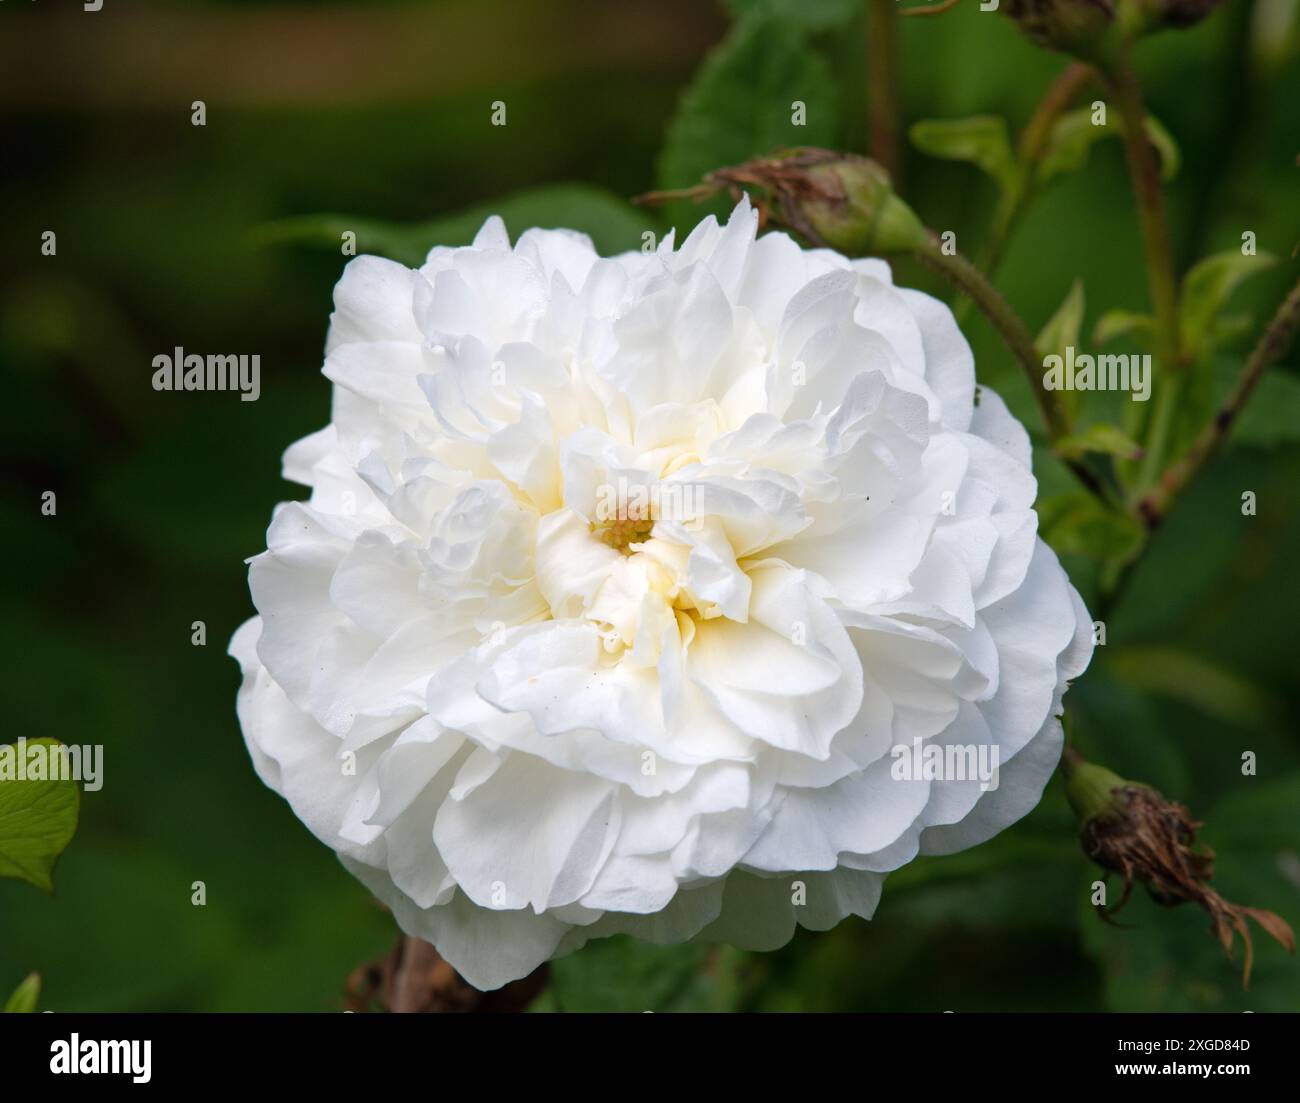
pixel 620 580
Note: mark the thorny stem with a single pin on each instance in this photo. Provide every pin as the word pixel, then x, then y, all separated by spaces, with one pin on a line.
pixel 1271 347
pixel 883 107
pixel 1010 326
pixel 1013 331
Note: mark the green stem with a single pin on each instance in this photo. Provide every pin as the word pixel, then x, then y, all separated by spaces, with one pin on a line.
pixel 1144 168
pixel 1161 429
pixel 1271 347
pixel 1033 140
pixel 1010 326
pixel 883 107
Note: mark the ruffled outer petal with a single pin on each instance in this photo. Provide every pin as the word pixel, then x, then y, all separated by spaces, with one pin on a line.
pixel 631 591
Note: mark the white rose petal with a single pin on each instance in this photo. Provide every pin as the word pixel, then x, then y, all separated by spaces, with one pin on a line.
pixel 624 583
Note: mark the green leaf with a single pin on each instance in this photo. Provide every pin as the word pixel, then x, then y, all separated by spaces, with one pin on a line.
pixel 1227 328
pixel 1206 289
pixel 1128 730
pixel 325 231
pixel 1062 332
pixel 1074 133
pixel 1076 523
pixel 613 224
pixel 981 139
pixel 1270 417
pixel 1272 413
pixel 23 1001
pixel 1170 159
pixel 1123 323
pixel 1260 816
pixel 37 819
pixel 625 974
pixel 816 15
pixel 1062 328
pixel 1209 687
pixel 1066 149
pixel 739 105
pixel 1100 437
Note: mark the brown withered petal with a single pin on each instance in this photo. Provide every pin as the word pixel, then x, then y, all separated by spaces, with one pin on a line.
pixel 1145 838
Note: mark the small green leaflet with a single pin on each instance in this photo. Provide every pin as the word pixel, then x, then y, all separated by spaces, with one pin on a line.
pixel 23 1001
pixel 37 821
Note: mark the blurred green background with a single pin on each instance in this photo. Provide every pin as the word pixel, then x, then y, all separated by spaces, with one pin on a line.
pixel 382 111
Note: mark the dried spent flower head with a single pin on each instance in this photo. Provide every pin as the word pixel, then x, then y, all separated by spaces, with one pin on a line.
pixel 1132 830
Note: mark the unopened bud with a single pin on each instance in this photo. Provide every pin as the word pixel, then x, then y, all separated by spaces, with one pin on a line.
pixel 838 200
pixel 853 209
pixel 1077 27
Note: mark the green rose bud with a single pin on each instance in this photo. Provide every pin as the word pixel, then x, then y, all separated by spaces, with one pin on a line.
pixel 851 206
pixel 838 200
